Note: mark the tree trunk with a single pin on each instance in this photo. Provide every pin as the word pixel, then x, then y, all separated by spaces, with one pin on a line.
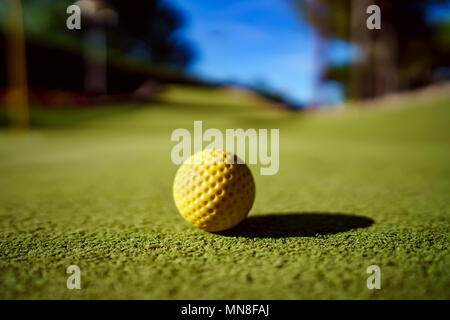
pixel 376 73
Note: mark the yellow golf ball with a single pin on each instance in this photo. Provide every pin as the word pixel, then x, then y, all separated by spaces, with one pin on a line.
pixel 213 191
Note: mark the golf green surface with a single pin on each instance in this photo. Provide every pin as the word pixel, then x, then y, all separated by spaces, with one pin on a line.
pixel 356 187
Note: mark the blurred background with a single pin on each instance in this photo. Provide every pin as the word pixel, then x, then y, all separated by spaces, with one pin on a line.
pixel 296 54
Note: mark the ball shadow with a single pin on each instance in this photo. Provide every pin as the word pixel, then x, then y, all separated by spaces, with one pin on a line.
pixel 285 225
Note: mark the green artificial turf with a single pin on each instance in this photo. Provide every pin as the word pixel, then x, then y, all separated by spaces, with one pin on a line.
pixel 356 187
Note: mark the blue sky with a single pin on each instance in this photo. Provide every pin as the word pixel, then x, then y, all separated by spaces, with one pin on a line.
pixel 265 41
pixel 256 41
pixel 439 12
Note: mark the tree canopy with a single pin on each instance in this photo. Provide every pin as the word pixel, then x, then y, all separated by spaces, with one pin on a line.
pixel 406 53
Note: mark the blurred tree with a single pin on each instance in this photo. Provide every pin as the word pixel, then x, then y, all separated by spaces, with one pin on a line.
pixel 121 45
pixel 404 54
pixel 151 26
pixel 146 27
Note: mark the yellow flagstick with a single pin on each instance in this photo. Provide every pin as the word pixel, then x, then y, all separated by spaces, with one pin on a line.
pixel 17 98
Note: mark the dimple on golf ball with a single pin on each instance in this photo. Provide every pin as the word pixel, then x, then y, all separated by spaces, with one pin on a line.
pixel 213 190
